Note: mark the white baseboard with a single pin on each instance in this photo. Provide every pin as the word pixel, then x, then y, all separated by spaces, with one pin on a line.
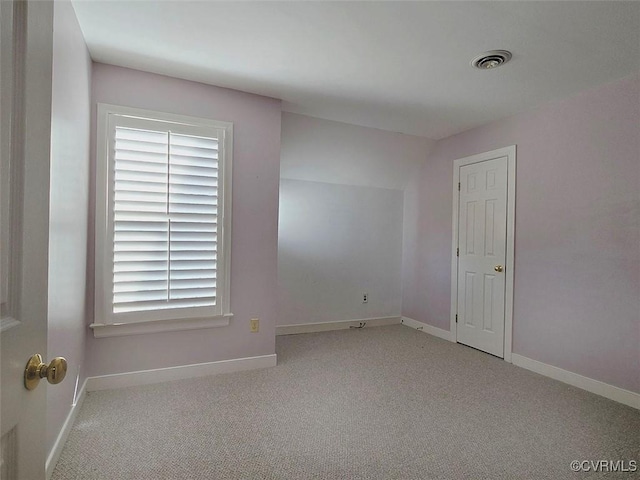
pixel 146 377
pixel 54 454
pixel 617 394
pixel 611 392
pixel 426 328
pixel 338 325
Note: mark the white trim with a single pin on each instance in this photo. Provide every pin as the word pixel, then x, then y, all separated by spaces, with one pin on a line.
pixel 611 392
pixel 159 375
pixel 511 241
pixel 101 330
pixel 426 328
pixel 337 325
pixel 58 446
pixel 510 153
pixel 101 255
pixel 226 220
pixel 161 116
pixel 106 114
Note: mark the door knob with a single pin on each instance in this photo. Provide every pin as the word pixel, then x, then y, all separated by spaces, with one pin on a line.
pixel 498 268
pixel 37 369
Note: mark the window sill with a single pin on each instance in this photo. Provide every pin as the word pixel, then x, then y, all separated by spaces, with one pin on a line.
pixel 102 330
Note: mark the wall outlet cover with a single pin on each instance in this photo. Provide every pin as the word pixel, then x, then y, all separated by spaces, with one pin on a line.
pixel 254 325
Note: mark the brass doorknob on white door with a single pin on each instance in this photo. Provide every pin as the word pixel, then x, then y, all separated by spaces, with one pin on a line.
pixel 37 369
pixel 498 268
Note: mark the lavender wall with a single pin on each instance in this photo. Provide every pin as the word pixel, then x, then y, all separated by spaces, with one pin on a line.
pixel 340 232
pixel 337 242
pixel 577 247
pixel 69 194
pixel 318 150
pixel 256 160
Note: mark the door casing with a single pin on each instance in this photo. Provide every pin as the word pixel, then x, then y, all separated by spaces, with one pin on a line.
pixel 510 153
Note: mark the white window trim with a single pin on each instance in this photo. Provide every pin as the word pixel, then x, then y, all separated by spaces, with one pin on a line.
pixel 104 325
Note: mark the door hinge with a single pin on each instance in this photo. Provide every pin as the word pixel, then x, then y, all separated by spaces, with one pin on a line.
pixel 458 186
pixel 457 252
pixel 456 318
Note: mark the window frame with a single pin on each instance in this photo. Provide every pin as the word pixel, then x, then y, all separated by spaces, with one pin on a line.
pixel 106 323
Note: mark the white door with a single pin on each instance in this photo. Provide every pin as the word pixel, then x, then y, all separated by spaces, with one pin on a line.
pixel 482 235
pixel 25 110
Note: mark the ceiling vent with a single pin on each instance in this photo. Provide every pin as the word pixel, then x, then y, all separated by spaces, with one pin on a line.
pixel 491 59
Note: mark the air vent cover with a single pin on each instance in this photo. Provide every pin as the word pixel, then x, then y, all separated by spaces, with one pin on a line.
pixel 491 59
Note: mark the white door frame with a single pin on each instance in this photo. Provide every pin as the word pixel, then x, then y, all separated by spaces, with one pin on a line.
pixel 510 153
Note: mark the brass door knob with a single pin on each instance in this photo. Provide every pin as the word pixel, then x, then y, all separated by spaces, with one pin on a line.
pixel 37 369
pixel 498 268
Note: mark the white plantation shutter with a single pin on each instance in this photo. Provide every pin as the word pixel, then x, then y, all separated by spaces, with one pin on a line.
pixel 164 210
pixel 165 220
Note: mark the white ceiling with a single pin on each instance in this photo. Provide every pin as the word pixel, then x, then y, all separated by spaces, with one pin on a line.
pixel 399 66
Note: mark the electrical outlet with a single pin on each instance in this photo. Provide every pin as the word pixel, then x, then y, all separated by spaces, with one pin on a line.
pixel 365 298
pixel 254 325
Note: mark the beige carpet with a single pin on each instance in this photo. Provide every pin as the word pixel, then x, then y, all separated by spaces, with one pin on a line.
pixel 377 403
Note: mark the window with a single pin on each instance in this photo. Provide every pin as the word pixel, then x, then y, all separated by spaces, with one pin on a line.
pixel 162 222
